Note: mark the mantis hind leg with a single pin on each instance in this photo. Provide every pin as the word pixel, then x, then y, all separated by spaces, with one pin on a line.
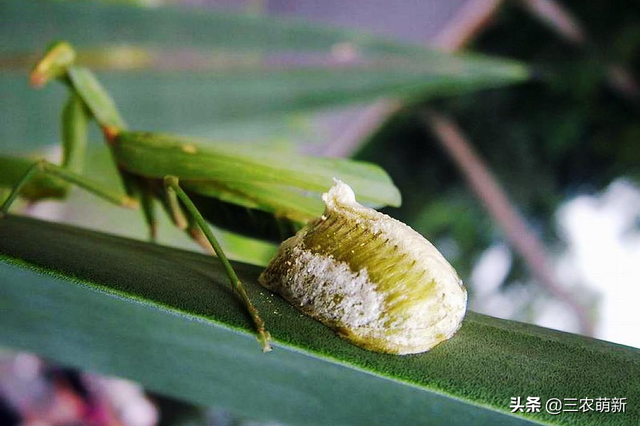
pixel 45 167
pixel 172 184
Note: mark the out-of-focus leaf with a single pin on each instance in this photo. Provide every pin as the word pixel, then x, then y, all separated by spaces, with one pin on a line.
pixel 165 318
pixel 92 23
pixel 265 83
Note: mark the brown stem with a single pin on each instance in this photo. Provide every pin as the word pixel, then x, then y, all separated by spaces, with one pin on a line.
pixel 366 124
pixel 557 18
pixel 569 28
pixel 502 211
pixel 467 22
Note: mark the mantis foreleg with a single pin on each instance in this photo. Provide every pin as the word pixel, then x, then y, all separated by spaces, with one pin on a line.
pixel 75 122
pixel 172 184
pixel 149 212
pixel 45 167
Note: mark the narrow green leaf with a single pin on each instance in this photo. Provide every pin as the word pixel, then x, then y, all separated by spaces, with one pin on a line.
pixel 184 101
pixel 165 317
pixel 92 23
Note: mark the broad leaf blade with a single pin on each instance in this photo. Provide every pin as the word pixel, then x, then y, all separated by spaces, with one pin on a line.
pixel 166 318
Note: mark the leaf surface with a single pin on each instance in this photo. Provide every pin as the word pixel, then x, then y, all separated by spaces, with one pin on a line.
pixel 165 317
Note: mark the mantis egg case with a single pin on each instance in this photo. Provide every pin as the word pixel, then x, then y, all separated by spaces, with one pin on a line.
pixel 371 278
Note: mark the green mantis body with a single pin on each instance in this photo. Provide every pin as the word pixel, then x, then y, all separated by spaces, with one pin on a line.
pixel 194 181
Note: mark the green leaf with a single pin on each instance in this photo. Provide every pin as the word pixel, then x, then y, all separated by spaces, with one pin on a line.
pixel 91 23
pixel 261 84
pixel 165 317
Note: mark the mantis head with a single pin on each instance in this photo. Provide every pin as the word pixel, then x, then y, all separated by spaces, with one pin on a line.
pixel 58 57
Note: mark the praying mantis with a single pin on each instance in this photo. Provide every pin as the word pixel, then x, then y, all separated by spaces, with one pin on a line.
pixel 194 181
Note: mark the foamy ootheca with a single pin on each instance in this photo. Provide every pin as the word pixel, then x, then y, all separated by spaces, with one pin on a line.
pixel 370 277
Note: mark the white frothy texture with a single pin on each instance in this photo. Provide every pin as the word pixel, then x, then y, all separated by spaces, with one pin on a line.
pixel 333 290
pixel 339 194
pixel 346 299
